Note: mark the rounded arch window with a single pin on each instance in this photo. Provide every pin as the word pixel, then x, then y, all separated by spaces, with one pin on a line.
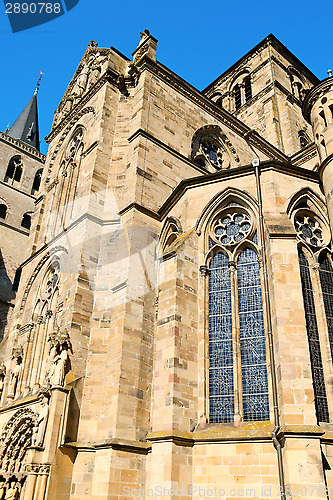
pixel 26 221
pixel 14 170
pixel 3 210
pixel 37 181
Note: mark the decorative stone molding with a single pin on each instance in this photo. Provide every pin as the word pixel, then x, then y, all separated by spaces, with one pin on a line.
pixel 34 274
pixel 38 468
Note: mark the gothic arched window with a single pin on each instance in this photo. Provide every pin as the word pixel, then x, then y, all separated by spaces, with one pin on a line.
pixel 14 170
pixel 238 383
pixel 247 88
pixel 238 96
pixel 313 238
pixel 37 181
pixel 26 221
pixel 3 211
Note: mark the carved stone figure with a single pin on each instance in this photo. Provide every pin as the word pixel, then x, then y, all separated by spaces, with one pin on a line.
pixel 58 358
pixel 50 364
pixel 81 82
pixel 40 425
pixel 2 490
pixel 2 379
pixel 95 72
pixel 15 373
pixel 58 370
pixel 13 492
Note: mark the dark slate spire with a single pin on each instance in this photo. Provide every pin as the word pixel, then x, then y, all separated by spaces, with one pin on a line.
pixel 25 127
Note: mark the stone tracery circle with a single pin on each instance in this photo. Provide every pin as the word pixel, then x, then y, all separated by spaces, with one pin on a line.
pixel 309 229
pixel 231 228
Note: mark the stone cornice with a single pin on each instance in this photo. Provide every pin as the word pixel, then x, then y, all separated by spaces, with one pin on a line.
pixel 24 148
pixel 86 216
pixel 115 444
pixel 283 167
pixel 304 155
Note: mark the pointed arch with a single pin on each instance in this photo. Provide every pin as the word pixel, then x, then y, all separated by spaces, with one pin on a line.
pixel 171 229
pixel 15 439
pixel 222 199
pixel 312 200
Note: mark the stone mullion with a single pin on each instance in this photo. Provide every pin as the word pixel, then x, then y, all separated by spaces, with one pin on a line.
pixel 236 351
pixel 203 403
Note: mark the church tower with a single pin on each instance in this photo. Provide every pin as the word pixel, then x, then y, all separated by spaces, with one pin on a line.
pixel 21 167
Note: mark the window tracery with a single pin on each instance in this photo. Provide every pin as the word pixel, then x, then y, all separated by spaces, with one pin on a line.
pixel 237 346
pixel 212 150
pixel 313 236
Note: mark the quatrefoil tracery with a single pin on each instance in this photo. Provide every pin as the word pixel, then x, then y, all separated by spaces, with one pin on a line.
pixel 309 230
pixel 232 228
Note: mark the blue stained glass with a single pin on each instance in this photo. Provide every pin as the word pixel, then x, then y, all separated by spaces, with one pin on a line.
pixel 318 377
pixel 252 337
pixel 221 384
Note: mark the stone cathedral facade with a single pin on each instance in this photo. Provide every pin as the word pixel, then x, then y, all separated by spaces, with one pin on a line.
pixel 173 325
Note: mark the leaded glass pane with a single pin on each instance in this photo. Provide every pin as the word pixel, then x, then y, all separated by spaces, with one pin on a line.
pixel 252 338
pixel 221 385
pixel 313 339
pixel 326 280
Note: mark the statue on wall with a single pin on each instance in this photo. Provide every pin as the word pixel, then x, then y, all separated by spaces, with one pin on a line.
pixel 13 491
pixel 41 422
pixel 17 356
pixel 59 358
pixel 81 82
pixel 95 71
pixel 2 380
pixel 2 490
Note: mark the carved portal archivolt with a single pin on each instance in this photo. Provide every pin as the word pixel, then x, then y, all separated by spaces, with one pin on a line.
pixel 23 431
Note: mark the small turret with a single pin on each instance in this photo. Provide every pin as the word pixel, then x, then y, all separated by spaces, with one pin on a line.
pixel 318 111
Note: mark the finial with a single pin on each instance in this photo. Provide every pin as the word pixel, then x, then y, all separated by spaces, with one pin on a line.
pixel 145 33
pixel 92 43
pixel 38 83
pixel 329 72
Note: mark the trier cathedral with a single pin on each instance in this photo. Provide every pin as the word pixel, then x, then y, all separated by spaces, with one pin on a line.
pixel 166 284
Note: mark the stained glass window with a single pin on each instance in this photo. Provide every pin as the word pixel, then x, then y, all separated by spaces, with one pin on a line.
pixel 252 338
pixel 221 385
pixel 313 336
pixel 326 280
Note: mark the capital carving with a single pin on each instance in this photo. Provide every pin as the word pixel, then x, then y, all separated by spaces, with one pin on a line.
pixel 204 271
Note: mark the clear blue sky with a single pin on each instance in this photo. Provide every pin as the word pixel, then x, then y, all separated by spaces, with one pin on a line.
pixel 197 40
